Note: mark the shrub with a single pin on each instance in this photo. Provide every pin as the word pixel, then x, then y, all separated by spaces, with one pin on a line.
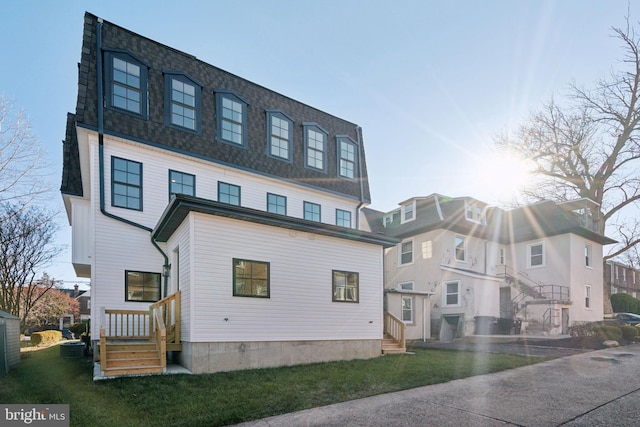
pixel 79 328
pixel 628 332
pixel 45 337
pixel 625 303
pixel 608 333
pixel 584 329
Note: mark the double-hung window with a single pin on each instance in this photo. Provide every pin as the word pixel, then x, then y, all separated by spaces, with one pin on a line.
pixel 231 114
pixel 312 211
pixel 408 212
pixel 406 252
pixel 126 88
pixel 407 303
pixel 315 147
pixel 126 184
pixel 182 101
pixel 535 255
pixel 451 293
pixel 345 286
pixel 141 286
pixel 346 157
pixel 250 278
pixel 181 183
pixel 228 193
pixel 587 296
pixel 460 248
pixel 587 255
pixel 343 218
pixel 279 135
pixel 276 204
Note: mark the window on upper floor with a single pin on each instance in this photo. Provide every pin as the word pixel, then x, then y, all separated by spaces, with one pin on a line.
pixel 587 255
pixel 126 87
pixel 276 204
pixel 182 102
pixel 126 184
pixel 408 212
pixel 345 286
pixel 181 183
pixel 501 256
pixel 451 294
pixel 141 286
pixel 474 212
pixel 231 119
pixel 427 249
pixel 406 252
pixel 228 193
pixel 460 248
pixel 535 255
pixel 343 218
pixel 315 147
pixel 279 135
pixel 250 278
pixel 346 157
pixel 312 211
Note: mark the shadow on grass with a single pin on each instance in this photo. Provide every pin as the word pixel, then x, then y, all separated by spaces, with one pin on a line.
pixel 232 397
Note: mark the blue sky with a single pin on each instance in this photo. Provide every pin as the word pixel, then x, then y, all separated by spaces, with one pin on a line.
pixel 430 82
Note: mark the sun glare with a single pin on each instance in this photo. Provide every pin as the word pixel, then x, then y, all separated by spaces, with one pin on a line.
pixel 501 176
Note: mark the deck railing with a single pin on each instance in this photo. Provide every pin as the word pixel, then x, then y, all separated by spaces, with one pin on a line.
pixel 169 310
pixel 127 324
pixel 395 328
pixel 161 337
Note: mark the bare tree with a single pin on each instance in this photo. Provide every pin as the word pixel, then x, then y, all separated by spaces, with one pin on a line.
pixel 22 168
pixel 51 305
pixel 26 245
pixel 590 146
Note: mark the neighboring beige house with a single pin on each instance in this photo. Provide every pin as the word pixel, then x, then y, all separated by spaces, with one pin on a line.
pixel 462 265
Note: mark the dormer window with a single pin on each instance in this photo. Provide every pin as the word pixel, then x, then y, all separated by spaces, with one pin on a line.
pixel 408 212
pixel 474 212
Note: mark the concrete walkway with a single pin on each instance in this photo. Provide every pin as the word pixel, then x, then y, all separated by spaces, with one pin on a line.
pixel 599 388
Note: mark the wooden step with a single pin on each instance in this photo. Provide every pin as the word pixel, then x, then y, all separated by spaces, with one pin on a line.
pixel 130 354
pixel 132 370
pixel 138 361
pixel 131 347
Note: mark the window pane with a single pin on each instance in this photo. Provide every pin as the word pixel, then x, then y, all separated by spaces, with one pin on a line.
pixel 251 278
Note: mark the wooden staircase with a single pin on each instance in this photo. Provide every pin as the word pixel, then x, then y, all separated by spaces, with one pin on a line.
pixel 393 340
pixel 130 358
pixel 391 346
pixel 135 342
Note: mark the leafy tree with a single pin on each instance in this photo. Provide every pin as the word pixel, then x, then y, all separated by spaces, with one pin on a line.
pixel 50 306
pixel 589 147
pixel 26 245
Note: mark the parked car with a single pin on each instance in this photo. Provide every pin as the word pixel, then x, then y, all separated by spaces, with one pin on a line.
pixel 67 334
pixel 628 319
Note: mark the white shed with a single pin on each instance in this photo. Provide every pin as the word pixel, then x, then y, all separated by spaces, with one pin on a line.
pixel 9 342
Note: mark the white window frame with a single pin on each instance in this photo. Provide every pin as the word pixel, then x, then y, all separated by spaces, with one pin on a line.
pixel 588 255
pixel 445 293
pixel 407 286
pixel 587 296
pixel 427 249
pixel 400 252
pixel 464 248
pixel 529 255
pixel 404 211
pixel 474 213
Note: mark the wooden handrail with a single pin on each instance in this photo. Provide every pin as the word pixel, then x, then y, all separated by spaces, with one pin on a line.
pixel 395 328
pixel 127 324
pixel 169 308
pixel 161 337
pixel 103 348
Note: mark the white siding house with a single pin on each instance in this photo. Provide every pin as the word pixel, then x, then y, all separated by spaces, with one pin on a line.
pixel 181 179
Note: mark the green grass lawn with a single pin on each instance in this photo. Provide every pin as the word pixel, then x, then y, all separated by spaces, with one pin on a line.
pixel 231 397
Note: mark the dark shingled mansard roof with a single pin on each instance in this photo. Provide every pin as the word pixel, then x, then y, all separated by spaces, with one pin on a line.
pixel 204 145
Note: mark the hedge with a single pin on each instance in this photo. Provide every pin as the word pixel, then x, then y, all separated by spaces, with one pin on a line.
pixel 625 303
pixel 45 337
